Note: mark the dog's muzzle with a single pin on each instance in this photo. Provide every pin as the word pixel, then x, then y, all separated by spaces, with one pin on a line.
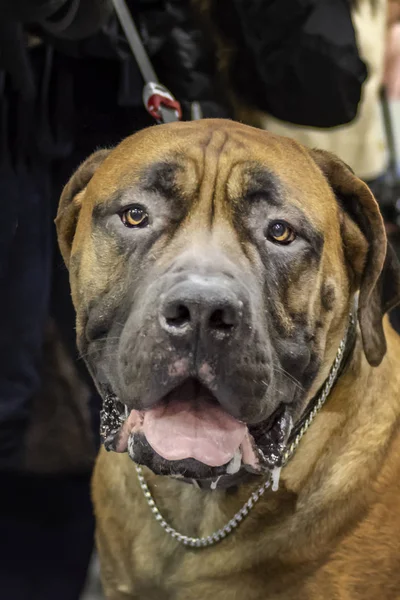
pixel 176 433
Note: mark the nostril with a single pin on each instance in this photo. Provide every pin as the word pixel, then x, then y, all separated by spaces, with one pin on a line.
pixel 199 307
pixel 177 315
pixel 222 319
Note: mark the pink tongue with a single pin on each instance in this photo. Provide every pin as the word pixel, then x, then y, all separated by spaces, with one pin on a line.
pixel 204 431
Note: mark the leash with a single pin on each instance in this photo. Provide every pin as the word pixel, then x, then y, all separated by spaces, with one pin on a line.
pixel 157 99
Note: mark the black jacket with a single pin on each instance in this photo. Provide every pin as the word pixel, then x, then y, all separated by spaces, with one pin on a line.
pixel 294 59
pixel 59 101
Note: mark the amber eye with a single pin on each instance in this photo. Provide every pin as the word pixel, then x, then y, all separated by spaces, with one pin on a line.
pixel 135 216
pixel 280 232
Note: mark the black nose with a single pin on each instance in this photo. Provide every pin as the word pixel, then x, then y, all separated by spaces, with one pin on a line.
pixel 201 304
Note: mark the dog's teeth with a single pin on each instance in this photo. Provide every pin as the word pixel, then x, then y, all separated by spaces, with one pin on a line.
pixel 214 484
pixel 276 475
pixel 235 464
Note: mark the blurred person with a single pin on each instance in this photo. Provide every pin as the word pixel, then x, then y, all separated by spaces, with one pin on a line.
pixel 361 144
pixel 72 88
pixel 47 446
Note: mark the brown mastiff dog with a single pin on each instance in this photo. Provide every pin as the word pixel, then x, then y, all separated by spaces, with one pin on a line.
pixel 228 285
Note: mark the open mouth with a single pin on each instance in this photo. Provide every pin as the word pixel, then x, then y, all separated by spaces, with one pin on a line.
pixel 188 433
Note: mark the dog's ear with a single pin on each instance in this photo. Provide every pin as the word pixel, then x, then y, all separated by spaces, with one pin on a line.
pixel 374 267
pixel 71 200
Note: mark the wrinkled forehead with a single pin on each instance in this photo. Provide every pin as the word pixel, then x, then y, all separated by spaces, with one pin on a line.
pixel 183 157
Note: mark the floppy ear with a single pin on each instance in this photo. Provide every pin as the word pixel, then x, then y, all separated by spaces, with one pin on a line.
pixel 71 200
pixel 373 263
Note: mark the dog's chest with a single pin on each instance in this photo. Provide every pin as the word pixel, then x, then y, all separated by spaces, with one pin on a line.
pixel 165 569
pixel 206 577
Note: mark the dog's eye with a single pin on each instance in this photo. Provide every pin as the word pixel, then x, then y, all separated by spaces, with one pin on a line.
pixel 135 216
pixel 280 232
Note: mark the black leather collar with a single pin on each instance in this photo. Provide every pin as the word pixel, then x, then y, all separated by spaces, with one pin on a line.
pixel 351 340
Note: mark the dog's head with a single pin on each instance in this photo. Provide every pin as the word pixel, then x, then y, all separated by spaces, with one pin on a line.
pixel 213 269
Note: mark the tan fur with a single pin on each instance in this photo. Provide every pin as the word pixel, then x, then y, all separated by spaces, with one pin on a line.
pixel 332 531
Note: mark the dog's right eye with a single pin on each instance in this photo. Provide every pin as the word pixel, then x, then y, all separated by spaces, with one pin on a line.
pixel 135 216
pixel 280 233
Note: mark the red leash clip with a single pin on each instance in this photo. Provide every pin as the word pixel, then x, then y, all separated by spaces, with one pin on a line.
pixel 161 104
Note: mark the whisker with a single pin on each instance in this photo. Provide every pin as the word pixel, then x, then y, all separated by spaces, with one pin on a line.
pixel 288 376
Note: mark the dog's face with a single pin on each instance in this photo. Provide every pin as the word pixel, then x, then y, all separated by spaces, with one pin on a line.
pixel 213 267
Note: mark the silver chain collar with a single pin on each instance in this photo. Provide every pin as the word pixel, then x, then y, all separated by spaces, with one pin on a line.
pixel 220 534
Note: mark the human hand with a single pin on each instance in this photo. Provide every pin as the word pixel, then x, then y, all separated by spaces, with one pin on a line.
pixel 391 76
pixel 393 15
